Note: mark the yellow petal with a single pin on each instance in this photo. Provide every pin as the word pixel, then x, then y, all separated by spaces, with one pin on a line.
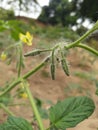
pixel 29 43
pixel 27 38
pixel 28 35
pixel 21 36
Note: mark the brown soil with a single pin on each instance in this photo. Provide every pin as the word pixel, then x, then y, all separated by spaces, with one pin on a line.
pixel 43 87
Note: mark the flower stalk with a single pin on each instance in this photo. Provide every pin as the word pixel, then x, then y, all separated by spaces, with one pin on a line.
pixel 33 105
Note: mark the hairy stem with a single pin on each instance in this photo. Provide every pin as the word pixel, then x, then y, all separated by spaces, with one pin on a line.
pixel 73 44
pixel 6 109
pixel 18 80
pixel 33 70
pixel 10 87
pixel 20 60
pixel 90 49
pixel 34 107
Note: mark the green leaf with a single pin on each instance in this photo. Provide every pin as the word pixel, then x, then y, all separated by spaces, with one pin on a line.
pixel 70 112
pixel 16 123
pixel 8 127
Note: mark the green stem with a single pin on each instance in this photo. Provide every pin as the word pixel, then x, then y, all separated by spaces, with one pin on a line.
pixel 18 104
pixel 88 48
pixel 34 107
pixel 20 60
pixel 53 52
pixel 33 70
pixel 36 52
pixel 83 37
pixel 6 109
pixel 46 50
pixel 10 87
pixel 16 82
pixel 62 55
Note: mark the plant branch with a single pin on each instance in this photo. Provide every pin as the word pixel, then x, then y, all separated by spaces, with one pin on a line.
pixel 10 87
pixel 18 80
pixel 20 60
pixel 34 107
pixel 33 70
pixel 90 49
pixel 95 27
pixel 36 52
pixel 6 109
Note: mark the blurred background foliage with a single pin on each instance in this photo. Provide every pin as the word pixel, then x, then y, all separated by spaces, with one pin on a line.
pixel 56 21
pixel 6 14
pixel 68 12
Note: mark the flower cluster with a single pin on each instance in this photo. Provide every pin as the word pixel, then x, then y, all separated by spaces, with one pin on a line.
pixel 27 38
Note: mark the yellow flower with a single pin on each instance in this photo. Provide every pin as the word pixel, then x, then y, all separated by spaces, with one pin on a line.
pixel 3 56
pixel 24 95
pixel 27 38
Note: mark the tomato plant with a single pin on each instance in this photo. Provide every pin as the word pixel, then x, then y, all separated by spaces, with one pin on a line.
pixel 64 114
